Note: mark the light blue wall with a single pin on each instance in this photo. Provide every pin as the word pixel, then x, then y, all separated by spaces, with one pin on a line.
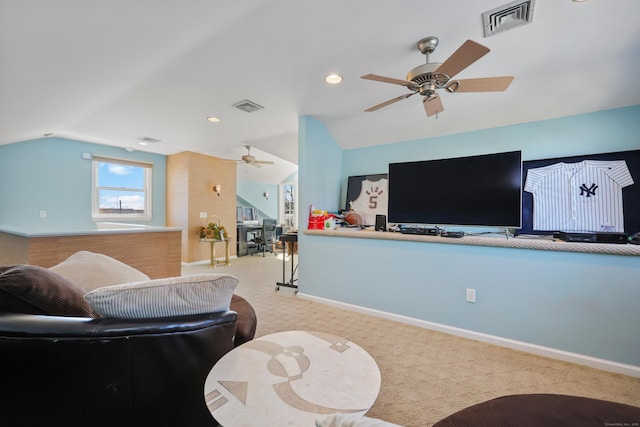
pixel 50 174
pixel 601 132
pixel 580 303
pixel 319 175
pixel 319 168
pixel 253 193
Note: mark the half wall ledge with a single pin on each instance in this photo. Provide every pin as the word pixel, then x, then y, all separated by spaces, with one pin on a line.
pixel 156 251
pixel 545 243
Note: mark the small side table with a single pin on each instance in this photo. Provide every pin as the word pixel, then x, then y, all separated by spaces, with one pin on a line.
pixel 213 251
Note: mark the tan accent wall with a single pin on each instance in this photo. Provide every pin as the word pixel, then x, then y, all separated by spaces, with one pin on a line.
pixel 157 254
pixel 13 249
pixel 190 180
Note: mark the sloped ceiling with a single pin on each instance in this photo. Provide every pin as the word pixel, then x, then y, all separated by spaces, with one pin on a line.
pixel 111 72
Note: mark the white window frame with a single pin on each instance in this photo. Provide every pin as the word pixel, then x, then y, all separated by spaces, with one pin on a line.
pixel 281 204
pixel 95 190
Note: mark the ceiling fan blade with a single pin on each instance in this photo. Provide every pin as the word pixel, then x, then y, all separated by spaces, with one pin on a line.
pixel 432 105
pixel 466 55
pixel 383 79
pixel 391 101
pixel 486 84
pixel 263 162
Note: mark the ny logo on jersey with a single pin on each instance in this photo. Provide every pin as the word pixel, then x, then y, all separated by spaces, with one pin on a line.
pixel 373 194
pixel 590 191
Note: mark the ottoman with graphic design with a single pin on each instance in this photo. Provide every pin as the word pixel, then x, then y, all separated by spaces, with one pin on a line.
pixel 291 378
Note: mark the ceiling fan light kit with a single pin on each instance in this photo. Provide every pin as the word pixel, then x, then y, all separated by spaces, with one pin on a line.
pixel 427 78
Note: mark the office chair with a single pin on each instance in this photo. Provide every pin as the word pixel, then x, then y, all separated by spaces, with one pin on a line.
pixel 266 237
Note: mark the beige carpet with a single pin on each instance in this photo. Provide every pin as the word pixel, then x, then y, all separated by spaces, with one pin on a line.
pixel 426 375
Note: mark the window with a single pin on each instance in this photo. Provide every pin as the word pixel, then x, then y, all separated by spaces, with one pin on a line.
pixel 121 189
pixel 288 206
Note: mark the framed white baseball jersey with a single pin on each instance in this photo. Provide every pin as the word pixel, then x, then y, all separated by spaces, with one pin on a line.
pixel 582 197
pixel 373 200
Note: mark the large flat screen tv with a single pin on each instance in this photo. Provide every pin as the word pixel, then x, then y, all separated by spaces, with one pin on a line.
pixel 483 190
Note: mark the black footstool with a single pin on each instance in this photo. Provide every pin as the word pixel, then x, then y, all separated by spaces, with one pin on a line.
pixel 544 410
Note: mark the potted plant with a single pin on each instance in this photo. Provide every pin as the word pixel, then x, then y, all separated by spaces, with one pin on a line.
pixel 213 230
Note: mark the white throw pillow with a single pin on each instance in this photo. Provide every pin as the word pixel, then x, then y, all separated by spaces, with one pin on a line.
pixel 89 270
pixel 175 296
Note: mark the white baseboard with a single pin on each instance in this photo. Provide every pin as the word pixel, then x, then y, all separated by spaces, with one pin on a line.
pixel 581 359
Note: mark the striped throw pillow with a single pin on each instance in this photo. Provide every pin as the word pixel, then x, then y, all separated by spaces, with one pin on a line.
pixel 175 296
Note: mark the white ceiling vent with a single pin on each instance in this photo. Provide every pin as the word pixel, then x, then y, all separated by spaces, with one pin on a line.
pixel 506 17
pixel 148 140
pixel 248 106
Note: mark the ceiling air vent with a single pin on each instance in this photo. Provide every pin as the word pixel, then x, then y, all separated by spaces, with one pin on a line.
pixel 506 17
pixel 248 106
pixel 148 140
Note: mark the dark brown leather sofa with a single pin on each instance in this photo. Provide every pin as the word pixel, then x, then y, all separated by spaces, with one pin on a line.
pixel 61 364
pixel 78 371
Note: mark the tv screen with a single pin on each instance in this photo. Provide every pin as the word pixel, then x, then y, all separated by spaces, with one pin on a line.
pixel 484 190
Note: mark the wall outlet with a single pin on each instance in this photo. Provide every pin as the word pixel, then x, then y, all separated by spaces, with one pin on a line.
pixel 43 214
pixel 203 215
pixel 471 295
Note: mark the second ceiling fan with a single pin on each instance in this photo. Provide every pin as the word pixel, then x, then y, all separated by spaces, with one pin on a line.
pixel 426 79
pixel 249 159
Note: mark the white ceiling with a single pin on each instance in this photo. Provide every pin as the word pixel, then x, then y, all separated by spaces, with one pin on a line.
pixel 110 72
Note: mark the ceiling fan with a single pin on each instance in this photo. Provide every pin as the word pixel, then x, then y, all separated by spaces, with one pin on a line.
pixel 427 78
pixel 251 160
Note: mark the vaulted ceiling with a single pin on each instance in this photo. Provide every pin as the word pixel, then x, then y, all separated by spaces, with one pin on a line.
pixel 114 71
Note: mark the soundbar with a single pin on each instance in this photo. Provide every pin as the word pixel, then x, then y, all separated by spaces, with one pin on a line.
pixel 608 237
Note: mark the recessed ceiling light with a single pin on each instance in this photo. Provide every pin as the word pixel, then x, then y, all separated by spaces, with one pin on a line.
pixel 333 79
pixel 213 119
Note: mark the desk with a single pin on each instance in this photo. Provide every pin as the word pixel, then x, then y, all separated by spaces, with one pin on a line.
pixel 213 251
pixel 292 239
pixel 291 378
pixel 242 231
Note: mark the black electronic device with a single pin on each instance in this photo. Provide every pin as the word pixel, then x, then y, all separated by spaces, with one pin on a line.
pixel 604 237
pixel 427 231
pixel 381 223
pixel 483 190
pixel 456 234
pixel 612 237
pixel 576 237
